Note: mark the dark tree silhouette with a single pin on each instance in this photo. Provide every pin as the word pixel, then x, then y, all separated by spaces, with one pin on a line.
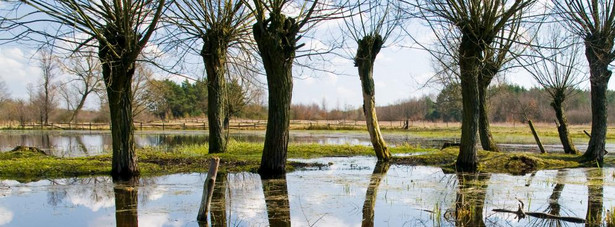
pixel 119 29
pixel 594 21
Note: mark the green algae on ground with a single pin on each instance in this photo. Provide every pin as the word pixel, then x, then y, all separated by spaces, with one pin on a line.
pixel 241 156
pixel 245 156
pixel 501 162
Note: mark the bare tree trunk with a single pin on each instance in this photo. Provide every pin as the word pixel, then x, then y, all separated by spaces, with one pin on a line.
pixel 470 55
pixel 484 128
pixel 118 78
pixel 75 114
pixel 380 170
pixel 562 127
pixel 276 40
pixel 214 56
pixel 368 48
pixel 599 78
pixel 276 200
pixel 126 202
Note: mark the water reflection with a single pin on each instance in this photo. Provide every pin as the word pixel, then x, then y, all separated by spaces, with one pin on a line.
pixel 85 143
pixel 126 203
pixel 470 199
pixel 594 197
pixel 353 191
pixel 218 201
pixel 380 170
pixel 276 200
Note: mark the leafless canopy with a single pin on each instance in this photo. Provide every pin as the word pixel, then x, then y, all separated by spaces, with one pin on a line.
pixel 79 22
pixel 230 19
pixel 590 18
pixel 496 23
pixel 370 17
pixel 554 62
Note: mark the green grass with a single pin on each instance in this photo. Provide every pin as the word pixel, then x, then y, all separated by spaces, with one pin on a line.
pixel 502 162
pixel 245 156
pixel 240 156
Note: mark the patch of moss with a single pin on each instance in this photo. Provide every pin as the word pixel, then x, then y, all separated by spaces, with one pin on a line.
pixel 499 162
pixel 241 156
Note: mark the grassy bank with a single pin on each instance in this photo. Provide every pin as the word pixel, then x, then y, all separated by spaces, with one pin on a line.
pixel 244 156
pixel 241 156
pixel 502 162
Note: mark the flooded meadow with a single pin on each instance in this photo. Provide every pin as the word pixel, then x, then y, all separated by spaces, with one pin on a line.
pixel 337 191
pixel 347 191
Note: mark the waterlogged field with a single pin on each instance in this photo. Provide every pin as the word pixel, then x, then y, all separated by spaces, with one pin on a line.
pixel 78 143
pixel 348 191
pixel 352 190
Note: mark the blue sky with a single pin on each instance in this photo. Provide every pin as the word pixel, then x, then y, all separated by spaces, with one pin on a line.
pixel 399 74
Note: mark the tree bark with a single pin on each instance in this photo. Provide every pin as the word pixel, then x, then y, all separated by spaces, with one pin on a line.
pixel 598 55
pixel 367 51
pixel 371 196
pixel 214 55
pixel 276 200
pixel 276 41
pixel 484 128
pixel 562 121
pixel 469 61
pixel 117 75
pixel 75 114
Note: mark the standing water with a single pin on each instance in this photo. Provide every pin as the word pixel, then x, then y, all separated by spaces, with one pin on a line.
pixel 348 191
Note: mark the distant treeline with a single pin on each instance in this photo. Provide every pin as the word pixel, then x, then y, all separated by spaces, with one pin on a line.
pixel 169 100
pixel 507 103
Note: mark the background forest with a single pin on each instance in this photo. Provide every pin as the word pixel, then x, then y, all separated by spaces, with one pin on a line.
pixel 167 100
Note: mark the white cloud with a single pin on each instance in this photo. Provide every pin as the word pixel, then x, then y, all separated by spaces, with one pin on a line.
pixel 17 70
pixel 86 201
pixel 346 92
pixel 6 216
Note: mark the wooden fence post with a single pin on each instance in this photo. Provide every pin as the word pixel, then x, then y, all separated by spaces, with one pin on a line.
pixel 542 149
pixel 208 190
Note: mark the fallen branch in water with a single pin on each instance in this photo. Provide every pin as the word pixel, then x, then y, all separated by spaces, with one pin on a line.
pixel 521 214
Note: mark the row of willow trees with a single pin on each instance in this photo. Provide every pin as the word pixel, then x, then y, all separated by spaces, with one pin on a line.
pixel 475 41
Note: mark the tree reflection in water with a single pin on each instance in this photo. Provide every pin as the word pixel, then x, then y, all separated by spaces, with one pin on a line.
pixel 126 202
pixel 380 170
pixel 276 200
pixel 217 211
pixel 595 195
pixel 470 199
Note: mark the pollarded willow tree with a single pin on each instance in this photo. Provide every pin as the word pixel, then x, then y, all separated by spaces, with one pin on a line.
pixel 553 62
pixel 120 30
pixel 594 21
pixel 479 24
pixel 277 35
pixel 370 24
pixel 223 27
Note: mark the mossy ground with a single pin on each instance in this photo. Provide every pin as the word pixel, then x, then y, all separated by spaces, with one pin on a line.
pixel 502 162
pixel 240 156
pixel 245 156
